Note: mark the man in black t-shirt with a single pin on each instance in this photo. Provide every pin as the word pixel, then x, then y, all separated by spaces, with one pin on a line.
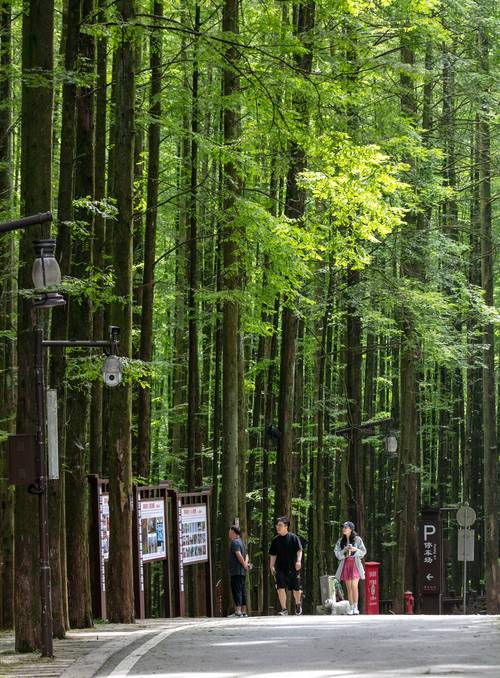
pixel 285 563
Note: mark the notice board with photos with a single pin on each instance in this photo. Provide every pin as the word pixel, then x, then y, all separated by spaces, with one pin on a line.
pixel 152 531
pixel 171 529
pixel 99 539
pixel 192 545
pixel 151 536
pixel 104 524
pixel 194 529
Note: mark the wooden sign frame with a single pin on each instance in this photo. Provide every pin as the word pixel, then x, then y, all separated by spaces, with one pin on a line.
pixel 180 500
pixel 142 494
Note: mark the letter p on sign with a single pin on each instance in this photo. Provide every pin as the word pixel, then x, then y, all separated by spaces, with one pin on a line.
pixel 429 530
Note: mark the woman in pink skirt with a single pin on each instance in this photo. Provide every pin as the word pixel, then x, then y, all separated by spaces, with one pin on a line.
pixel 349 550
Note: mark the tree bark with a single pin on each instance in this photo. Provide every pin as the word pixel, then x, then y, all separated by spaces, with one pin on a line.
pixel 71 25
pixel 194 458
pixel 491 557
pixel 80 327
pixel 473 471
pixel 100 243
pixel 294 209
pixel 355 487
pixel 269 414
pixel 36 196
pixel 144 406
pixel 7 311
pixel 120 590
pixel 231 282
pixel 411 267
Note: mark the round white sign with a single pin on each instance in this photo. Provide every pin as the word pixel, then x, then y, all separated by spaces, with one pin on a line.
pixel 466 516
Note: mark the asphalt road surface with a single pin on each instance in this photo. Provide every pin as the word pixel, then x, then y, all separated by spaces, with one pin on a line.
pixel 318 647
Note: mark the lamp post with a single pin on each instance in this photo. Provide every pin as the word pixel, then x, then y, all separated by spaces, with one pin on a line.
pixel 43 500
pixel 46 276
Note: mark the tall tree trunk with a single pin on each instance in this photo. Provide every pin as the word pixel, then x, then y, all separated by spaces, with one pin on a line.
pixel 369 410
pixel 411 267
pixel 80 327
pixel 100 242
pixel 491 558
pixel 242 434
pixel 316 561
pixel 7 311
pixel 266 531
pixel 231 283
pixel 36 196
pixel 294 209
pixel 120 590
pixel 72 18
pixel 194 458
pixel 144 406
pixel 355 488
pixel 473 472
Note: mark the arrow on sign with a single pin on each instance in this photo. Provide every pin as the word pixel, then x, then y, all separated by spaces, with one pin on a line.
pixel 430 577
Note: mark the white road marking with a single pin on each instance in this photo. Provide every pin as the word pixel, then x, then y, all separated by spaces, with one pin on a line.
pixel 121 671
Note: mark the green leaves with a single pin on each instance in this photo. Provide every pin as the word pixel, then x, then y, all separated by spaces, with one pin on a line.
pixel 357 196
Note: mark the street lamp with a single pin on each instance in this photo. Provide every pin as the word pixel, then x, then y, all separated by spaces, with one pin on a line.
pixel 46 274
pixel 391 444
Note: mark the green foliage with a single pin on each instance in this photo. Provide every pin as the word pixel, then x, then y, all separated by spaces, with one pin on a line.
pixel 352 189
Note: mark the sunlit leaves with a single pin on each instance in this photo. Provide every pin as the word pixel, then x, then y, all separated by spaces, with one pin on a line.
pixel 352 192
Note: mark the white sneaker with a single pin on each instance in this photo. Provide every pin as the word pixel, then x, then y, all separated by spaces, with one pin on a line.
pixel 355 611
pixel 350 611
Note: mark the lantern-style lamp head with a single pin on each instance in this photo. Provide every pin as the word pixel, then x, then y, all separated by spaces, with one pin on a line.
pixel 46 274
pixel 391 444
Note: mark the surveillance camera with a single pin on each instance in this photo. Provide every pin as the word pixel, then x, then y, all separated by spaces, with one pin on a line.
pixel 112 370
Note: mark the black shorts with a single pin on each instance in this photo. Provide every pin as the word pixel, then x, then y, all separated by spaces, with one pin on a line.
pixel 288 580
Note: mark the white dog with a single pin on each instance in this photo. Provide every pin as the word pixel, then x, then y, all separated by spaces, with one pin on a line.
pixel 342 607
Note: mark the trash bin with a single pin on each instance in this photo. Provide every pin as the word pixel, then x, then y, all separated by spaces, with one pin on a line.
pixel 327 585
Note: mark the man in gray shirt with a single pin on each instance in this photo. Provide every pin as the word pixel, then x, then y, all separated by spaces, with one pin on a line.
pixel 238 567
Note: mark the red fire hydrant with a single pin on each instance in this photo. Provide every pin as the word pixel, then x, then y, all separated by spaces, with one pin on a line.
pixel 409 602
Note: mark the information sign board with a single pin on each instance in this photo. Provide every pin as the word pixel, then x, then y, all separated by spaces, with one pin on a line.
pixel 430 548
pixel 466 545
pixel 152 529
pixel 104 524
pixel 194 531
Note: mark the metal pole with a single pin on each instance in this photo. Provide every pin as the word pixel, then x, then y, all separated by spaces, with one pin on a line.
pixel 43 504
pixel 465 578
pixel 33 220
pixel 465 560
pixel 77 343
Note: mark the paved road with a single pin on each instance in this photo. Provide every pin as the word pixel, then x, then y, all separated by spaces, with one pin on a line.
pixel 318 647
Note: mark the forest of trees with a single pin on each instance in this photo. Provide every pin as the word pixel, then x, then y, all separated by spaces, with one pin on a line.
pixel 288 208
